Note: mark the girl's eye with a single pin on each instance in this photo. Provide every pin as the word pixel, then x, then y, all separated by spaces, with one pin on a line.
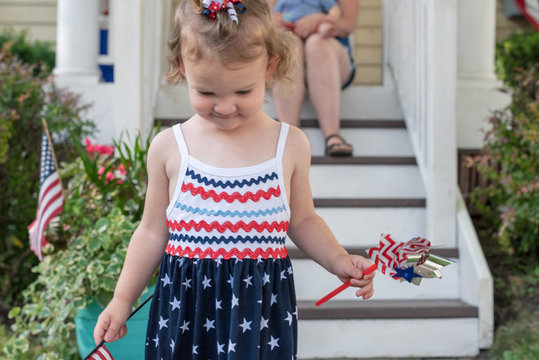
pixel 243 92
pixel 205 93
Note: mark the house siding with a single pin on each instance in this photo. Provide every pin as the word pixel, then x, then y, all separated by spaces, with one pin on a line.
pixel 38 17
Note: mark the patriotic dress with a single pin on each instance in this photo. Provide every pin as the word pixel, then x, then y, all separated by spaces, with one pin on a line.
pixel 225 288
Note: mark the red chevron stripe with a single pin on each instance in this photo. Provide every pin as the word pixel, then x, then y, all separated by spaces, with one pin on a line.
pixel 229 198
pixel 225 254
pixel 235 227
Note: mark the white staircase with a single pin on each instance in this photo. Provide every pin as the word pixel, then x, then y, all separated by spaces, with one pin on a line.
pixel 379 189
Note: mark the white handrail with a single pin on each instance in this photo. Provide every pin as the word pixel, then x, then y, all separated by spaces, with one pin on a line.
pixel 422 57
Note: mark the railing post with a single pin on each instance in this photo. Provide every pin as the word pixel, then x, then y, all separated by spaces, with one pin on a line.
pixel 440 136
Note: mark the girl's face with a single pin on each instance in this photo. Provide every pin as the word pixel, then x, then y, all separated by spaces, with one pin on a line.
pixel 228 96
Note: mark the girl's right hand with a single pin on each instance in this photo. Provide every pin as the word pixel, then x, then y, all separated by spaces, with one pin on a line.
pixel 111 323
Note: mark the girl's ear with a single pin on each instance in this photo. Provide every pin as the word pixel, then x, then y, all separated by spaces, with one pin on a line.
pixel 272 65
pixel 182 69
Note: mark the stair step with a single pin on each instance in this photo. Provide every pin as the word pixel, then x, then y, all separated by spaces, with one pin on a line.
pixel 387 328
pixel 386 309
pixel 359 124
pixel 366 181
pixel 363 160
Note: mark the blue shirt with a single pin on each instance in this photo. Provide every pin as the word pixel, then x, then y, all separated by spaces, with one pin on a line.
pixel 293 10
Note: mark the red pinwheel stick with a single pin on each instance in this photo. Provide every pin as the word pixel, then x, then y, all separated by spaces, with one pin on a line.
pixel 367 271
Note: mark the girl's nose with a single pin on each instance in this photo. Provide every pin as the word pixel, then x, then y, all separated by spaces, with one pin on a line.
pixel 225 107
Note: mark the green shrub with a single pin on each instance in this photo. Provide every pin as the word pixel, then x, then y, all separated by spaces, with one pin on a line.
pixel 103 202
pixel 517 53
pixel 26 99
pixel 510 162
pixel 37 52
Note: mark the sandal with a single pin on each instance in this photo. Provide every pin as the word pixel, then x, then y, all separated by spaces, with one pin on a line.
pixel 338 149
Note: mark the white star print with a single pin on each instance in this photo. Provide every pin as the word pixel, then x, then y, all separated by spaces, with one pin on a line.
pixel 156 340
pixel 290 270
pixel 187 283
pixel 289 318
pixel 273 343
pixel 195 347
pixel 246 325
pixel 235 301
pixel 209 324
pixel 231 281
pixel 206 282
pixel 175 303
pixel 218 304
pixel 283 276
pixel 172 344
pixel 185 326
pixel 247 281
pixel 220 348
pixel 231 346
pixel 162 323
pixel 218 261
pixel 273 299
pixel 266 278
pixel 166 280
pixel 263 323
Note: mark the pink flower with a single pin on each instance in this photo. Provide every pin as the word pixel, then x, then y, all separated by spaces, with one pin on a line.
pixel 99 149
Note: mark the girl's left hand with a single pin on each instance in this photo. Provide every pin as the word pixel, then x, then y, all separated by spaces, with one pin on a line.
pixel 351 267
pixel 308 24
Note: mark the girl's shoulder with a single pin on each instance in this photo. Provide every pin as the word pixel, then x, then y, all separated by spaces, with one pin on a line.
pixel 163 146
pixel 297 150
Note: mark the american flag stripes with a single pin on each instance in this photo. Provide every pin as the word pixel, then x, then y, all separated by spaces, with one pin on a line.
pixel 530 10
pixel 50 201
pixel 102 353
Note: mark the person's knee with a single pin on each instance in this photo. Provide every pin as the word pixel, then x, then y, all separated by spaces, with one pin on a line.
pixel 316 45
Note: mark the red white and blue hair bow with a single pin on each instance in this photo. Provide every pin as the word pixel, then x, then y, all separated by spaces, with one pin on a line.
pixel 211 7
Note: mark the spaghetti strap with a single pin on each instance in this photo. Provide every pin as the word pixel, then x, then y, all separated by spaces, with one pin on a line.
pixel 282 141
pixel 180 140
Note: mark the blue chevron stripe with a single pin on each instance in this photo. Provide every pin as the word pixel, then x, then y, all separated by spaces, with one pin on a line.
pixel 226 239
pixel 257 213
pixel 231 184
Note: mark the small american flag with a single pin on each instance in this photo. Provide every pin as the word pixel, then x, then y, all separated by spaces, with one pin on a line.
pixel 50 201
pixel 102 353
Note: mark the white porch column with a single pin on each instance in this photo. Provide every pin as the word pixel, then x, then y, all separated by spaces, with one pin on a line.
pixel 477 87
pixel 77 39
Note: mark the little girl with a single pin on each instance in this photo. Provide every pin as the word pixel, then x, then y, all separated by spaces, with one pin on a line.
pixel 224 190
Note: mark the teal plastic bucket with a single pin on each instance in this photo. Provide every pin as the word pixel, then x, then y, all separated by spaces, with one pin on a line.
pixel 130 347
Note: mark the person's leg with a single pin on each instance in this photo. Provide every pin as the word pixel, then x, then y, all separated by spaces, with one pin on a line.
pixel 288 99
pixel 328 67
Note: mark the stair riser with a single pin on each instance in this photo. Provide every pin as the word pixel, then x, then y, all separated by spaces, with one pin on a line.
pixel 366 142
pixel 366 181
pixel 363 226
pixel 403 338
pixel 313 282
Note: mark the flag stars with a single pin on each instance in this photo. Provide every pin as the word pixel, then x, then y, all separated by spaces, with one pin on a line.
pixel 246 325
pixel 231 346
pixel 247 281
pixel 187 283
pixel 162 322
pixel 266 278
pixel 273 299
pixel 195 349
pixel 156 340
pixel 231 281
pixel 218 304
pixel 175 304
pixel 166 281
pixel 220 348
pixel 289 318
pixel 185 326
pixel 206 282
pixel 209 324
pixel 235 301
pixel 274 342
pixel 283 276
pixel 172 345
pixel 263 323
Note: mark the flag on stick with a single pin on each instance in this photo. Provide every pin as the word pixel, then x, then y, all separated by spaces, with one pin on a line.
pixel 102 353
pixel 51 200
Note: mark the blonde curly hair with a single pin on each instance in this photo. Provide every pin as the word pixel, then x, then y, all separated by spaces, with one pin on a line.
pixel 194 36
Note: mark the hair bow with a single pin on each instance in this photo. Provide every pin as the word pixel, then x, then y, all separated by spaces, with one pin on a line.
pixel 212 7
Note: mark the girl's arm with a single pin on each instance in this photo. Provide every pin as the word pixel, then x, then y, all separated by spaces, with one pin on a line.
pixel 349 15
pixel 145 248
pixel 310 232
